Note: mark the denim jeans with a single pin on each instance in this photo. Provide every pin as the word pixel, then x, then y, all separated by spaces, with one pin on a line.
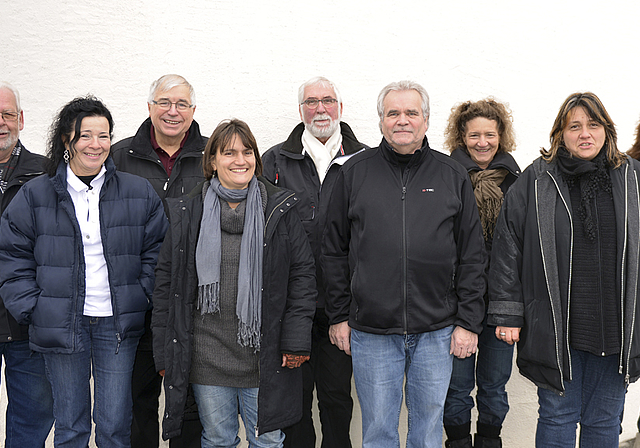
pixel 30 405
pixel 595 399
pixel 69 374
pixel 380 364
pixel 491 373
pixel 218 408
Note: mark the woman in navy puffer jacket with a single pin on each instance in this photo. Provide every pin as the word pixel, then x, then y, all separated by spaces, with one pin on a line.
pixel 78 248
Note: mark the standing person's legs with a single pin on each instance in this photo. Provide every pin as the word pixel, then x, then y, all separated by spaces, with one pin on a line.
pixel 145 389
pixel 69 376
pixel 603 394
pixel 428 370
pixel 248 402
pixel 378 371
pixel 558 416
pixel 493 370
pixel 29 401
pixel 332 371
pixel 218 408
pixel 112 363
pixel 458 404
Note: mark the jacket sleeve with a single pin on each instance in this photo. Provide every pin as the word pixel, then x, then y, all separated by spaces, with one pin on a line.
pixel 506 301
pixel 334 258
pixel 161 301
pixel 302 292
pixel 269 165
pixel 154 231
pixel 471 279
pixel 18 286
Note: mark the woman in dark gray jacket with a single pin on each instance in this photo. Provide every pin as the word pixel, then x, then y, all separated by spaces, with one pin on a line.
pixel 564 276
pixel 77 248
pixel 234 299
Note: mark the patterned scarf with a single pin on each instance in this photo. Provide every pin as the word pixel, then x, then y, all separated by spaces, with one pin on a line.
pixel 7 172
pixel 489 197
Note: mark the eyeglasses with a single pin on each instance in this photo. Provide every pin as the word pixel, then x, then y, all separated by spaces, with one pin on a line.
pixel 8 115
pixel 166 104
pixel 312 103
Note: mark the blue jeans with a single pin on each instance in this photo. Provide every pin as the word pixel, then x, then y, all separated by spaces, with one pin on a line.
pixel 492 372
pixel 218 408
pixel 595 399
pixel 380 363
pixel 69 375
pixel 30 405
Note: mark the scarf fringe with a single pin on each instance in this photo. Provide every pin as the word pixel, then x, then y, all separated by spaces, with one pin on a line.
pixel 248 336
pixel 209 298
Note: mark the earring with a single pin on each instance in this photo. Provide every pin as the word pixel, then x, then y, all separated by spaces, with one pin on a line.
pixel 65 156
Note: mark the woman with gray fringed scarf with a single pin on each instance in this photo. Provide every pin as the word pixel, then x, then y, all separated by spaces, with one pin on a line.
pixel 480 137
pixel 234 299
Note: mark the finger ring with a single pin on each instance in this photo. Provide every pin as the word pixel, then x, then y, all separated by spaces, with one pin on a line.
pixel 470 351
pixel 503 334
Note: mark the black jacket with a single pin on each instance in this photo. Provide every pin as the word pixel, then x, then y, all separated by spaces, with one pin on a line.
pixel 136 155
pixel 29 166
pixel 404 253
pixel 286 166
pixel 288 305
pixel 530 272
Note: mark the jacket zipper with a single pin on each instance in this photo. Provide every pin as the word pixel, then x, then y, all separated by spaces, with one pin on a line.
pixel 553 310
pixel 405 317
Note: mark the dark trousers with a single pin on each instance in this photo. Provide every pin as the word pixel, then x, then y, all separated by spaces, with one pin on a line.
pixel 330 370
pixel 145 387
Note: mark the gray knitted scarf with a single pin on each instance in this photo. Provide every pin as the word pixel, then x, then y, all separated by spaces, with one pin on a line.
pixel 208 256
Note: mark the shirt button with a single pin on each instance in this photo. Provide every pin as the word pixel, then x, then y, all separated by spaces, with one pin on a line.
pixel 88 237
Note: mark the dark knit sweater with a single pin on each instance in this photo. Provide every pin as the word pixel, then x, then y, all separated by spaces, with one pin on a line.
pixel 218 359
pixel 594 320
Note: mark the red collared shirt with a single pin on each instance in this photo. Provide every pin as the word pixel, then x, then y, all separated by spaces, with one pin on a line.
pixel 167 160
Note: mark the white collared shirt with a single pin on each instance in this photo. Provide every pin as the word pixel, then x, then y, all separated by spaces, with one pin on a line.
pixel 97 300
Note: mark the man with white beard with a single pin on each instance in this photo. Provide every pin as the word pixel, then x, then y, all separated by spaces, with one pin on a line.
pixel 308 162
pixel 30 409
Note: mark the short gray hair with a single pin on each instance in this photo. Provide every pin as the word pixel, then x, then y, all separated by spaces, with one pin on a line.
pixel 16 94
pixel 318 80
pixel 400 86
pixel 168 82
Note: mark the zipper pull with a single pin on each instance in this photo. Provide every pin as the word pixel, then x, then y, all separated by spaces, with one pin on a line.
pixel 404 192
pixel 165 185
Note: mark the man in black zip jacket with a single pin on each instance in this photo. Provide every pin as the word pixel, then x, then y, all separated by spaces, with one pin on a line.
pixel 30 403
pixel 308 162
pixel 403 261
pixel 167 151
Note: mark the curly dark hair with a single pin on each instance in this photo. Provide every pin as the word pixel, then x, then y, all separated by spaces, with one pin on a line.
pixel 68 122
pixel 487 108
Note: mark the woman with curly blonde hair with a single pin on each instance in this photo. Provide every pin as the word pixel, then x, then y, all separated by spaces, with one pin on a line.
pixel 480 136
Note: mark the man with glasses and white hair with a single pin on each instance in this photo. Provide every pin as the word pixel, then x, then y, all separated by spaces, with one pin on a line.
pixel 308 162
pixel 403 259
pixel 30 404
pixel 167 151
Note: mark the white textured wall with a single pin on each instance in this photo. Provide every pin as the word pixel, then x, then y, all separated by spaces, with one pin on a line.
pixel 247 58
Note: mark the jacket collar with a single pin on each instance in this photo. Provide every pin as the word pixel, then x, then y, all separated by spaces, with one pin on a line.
pixel 141 142
pixel 500 160
pixel 59 180
pixel 389 154
pixel 292 147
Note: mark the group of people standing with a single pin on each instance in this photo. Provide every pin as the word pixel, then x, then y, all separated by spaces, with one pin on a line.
pixel 243 282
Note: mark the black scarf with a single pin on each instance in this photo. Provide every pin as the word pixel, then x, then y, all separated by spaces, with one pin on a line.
pixel 591 176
